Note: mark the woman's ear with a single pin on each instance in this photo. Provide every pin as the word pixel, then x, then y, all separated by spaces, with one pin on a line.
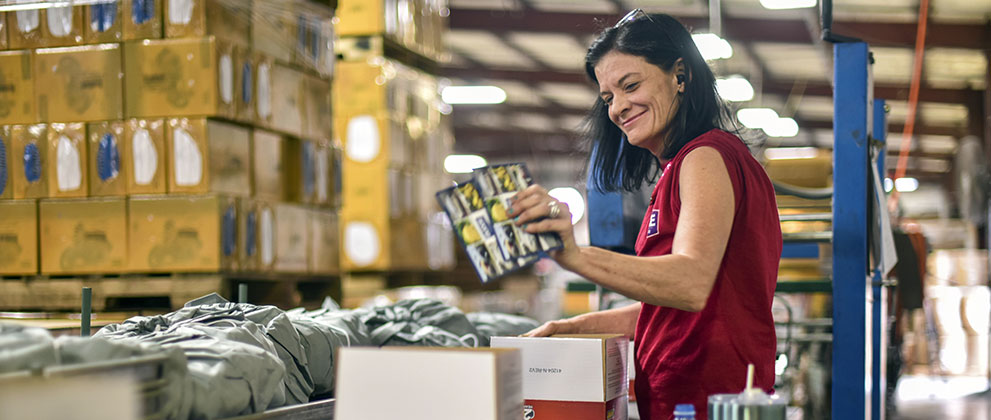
pixel 681 76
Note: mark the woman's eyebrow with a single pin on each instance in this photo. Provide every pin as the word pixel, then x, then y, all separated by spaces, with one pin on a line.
pixel 621 80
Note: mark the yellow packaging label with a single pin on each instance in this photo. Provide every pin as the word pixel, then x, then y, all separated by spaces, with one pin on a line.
pixel 80 236
pixel 17 88
pixel 79 83
pixel 360 17
pixel 267 165
pixel 144 158
pixel 171 77
pixel 106 149
pixel 19 237
pixel 103 23
pixel 173 234
pixel 230 158
pixel 24 29
pixel 188 155
pixel 142 19
pixel 29 160
pixel 67 166
pixel 62 26
pixel 325 243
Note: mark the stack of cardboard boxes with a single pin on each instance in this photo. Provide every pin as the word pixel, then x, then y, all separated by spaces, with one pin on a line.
pixel 392 123
pixel 168 136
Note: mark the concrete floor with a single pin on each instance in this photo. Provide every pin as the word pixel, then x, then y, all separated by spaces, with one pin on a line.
pixel 925 398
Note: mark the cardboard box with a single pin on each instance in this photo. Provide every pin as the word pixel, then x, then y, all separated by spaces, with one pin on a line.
pixel 263 94
pixel 288 108
pixel 142 19
pixel 3 30
pixel 273 28
pixel 103 23
pixel 144 156
pixel 67 169
pixel 366 199
pixel 182 233
pixel 573 377
pixel 83 236
pixel 267 164
pixel 229 21
pixel 318 120
pixel 300 161
pixel 227 81
pixel 322 161
pixel 428 384
pixel 244 87
pixel 360 87
pixel 79 83
pixel 19 237
pixel 361 17
pixel 336 176
pixel 171 78
pixel 17 88
pixel 62 26
pixel 184 18
pixel 314 48
pixel 291 224
pixel 29 161
pixel 325 245
pixel 24 29
pixel 230 158
pixel 105 152
pixel 6 165
pixel 188 156
pixel 247 228
pixel 208 156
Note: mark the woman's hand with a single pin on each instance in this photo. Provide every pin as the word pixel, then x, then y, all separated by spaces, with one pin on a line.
pixel 561 326
pixel 533 209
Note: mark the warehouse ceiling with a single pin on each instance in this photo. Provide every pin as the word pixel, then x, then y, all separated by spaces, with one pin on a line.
pixel 534 50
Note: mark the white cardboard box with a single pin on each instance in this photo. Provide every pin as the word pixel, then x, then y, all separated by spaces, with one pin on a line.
pixel 421 383
pixel 573 377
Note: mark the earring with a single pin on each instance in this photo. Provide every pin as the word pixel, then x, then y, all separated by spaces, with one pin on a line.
pixel 680 78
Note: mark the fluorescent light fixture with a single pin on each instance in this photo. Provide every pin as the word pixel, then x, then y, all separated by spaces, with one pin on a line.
pixel 463 164
pixel 735 89
pixel 888 185
pixel 787 4
pixel 906 184
pixel 756 117
pixel 781 153
pixel 574 200
pixel 782 127
pixel 455 95
pixel 712 46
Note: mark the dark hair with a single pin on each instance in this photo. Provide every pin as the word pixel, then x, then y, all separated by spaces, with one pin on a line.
pixel 661 40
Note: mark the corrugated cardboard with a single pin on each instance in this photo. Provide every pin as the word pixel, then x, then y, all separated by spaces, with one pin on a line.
pixel 142 19
pixel 79 83
pixel 244 85
pixel 17 88
pixel 83 236
pixel 247 228
pixel 428 384
pixel 314 48
pixel 62 26
pixel 171 78
pixel 184 19
pixel 291 238
pixel 366 201
pixel 337 175
pixel 318 120
pixel 3 30
pixel 322 161
pixel 266 236
pixel 24 29
pixel 19 237
pixel 267 164
pixel 144 157
pixel 188 156
pixel 68 171
pixel 106 153
pixel 360 87
pixel 178 234
pixel 288 107
pixel 29 161
pixel 103 23
pixel 273 28
pixel 230 158
pixel 325 245
pixel 299 157
pixel 229 21
pixel 227 83
pixel 573 376
pixel 6 164
pixel 264 96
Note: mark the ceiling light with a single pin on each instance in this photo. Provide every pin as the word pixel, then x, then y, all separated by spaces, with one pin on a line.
pixel 782 127
pixel 735 89
pixel 574 200
pixel 463 164
pixel 906 184
pixel 787 4
pixel 712 46
pixel 756 117
pixel 455 95
pixel 888 185
pixel 780 153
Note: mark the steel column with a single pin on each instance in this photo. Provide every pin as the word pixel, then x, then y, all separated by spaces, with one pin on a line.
pixel 880 311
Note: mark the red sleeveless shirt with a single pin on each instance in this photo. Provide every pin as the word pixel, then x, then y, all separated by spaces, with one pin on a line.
pixel 683 357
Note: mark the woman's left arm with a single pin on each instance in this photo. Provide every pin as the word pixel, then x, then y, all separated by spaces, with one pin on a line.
pixel 684 278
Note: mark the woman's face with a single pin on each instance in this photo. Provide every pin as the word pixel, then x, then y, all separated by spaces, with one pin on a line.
pixel 642 98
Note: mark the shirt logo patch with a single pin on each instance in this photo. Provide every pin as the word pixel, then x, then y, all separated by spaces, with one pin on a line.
pixel 652 225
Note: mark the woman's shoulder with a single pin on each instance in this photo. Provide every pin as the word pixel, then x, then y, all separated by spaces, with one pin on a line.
pixel 723 141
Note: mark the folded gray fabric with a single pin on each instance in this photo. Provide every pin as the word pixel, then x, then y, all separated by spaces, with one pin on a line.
pixel 25 348
pixel 419 322
pixel 491 324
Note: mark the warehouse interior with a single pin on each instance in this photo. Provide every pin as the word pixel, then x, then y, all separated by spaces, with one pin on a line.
pixel 242 208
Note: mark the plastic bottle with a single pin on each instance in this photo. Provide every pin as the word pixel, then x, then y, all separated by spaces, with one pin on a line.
pixel 684 412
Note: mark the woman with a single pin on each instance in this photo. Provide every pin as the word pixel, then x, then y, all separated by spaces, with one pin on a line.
pixel 710 243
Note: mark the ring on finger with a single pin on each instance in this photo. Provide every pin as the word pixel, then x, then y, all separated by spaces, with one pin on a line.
pixel 555 210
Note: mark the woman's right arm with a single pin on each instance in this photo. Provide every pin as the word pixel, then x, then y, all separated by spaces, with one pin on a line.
pixel 613 321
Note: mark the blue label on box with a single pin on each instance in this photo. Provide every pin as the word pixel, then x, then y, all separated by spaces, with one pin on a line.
pixel 142 11
pixel 309 172
pixel 3 167
pixel 102 16
pixel 249 235
pixel 107 158
pixel 227 236
pixel 246 84
pixel 32 163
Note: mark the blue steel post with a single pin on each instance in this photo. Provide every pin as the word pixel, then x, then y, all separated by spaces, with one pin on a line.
pixel 880 312
pixel 851 388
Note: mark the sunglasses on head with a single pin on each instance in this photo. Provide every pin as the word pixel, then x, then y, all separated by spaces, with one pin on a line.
pixel 634 14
